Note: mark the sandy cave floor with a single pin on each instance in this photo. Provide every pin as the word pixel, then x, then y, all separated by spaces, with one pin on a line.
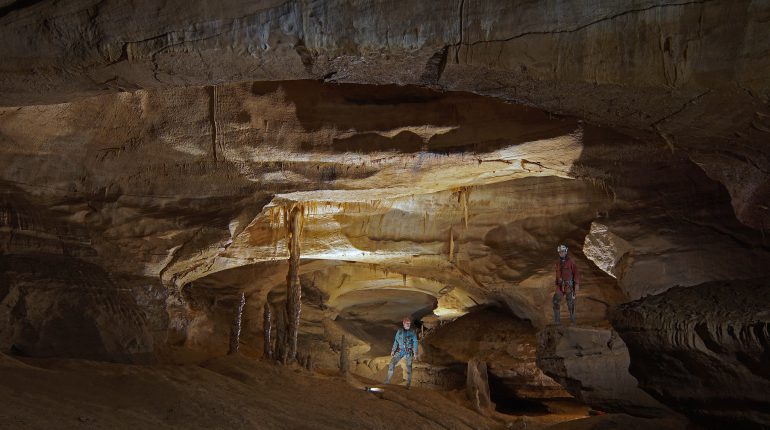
pixel 232 392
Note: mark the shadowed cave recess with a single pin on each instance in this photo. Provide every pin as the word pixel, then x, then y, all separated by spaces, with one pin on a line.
pixel 216 215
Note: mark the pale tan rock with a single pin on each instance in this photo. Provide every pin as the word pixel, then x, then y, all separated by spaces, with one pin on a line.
pixel 605 248
pixel 477 386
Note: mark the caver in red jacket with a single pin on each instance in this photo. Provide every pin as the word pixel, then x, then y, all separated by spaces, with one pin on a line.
pixel 567 274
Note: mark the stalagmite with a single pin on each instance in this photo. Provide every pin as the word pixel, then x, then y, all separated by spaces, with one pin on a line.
pixel 279 347
pixel 344 356
pixel 294 290
pixel 267 326
pixel 235 334
pixel 477 386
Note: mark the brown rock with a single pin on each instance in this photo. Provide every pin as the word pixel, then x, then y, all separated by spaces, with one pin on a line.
pixel 504 343
pixel 703 350
pixel 477 386
pixel 678 73
pixel 592 364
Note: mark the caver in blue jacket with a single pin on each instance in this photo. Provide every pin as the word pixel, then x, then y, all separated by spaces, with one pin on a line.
pixel 405 345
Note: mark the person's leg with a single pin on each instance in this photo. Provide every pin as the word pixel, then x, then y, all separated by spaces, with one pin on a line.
pixel 393 361
pixel 408 370
pixel 571 305
pixel 556 307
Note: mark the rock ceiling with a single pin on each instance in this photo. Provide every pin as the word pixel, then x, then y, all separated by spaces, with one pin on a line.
pixel 693 76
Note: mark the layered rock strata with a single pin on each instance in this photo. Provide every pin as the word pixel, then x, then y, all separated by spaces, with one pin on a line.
pixel 704 350
pixel 443 200
pixel 676 72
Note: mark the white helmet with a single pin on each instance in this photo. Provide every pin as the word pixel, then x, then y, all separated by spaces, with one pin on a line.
pixel 561 248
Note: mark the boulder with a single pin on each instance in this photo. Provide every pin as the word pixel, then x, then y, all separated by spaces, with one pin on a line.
pixel 592 364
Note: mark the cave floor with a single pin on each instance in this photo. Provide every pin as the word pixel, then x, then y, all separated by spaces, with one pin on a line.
pixel 233 392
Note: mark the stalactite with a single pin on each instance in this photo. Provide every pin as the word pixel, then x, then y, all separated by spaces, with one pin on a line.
pixel 267 321
pixel 451 245
pixel 462 197
pixel 294 222
pixel 235 334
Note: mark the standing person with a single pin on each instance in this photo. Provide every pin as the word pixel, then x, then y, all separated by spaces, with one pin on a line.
pixel 567 284
pixel 404 346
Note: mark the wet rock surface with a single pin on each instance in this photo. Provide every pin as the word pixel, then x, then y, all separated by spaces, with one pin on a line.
pixel 703 350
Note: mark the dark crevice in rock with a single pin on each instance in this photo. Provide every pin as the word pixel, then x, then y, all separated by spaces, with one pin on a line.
pixel 435 67
pixel 17 6
pixel 684 106
pixel 581 27
pixel 461 28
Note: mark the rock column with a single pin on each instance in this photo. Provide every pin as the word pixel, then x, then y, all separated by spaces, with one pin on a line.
pixel 267 321
pixel 344 356
pixel 294 290
pixel 235 333
pixel 477 386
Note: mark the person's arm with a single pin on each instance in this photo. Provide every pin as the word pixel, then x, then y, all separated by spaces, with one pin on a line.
pixel 395 344
pixel 575 276
pixel 558 276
